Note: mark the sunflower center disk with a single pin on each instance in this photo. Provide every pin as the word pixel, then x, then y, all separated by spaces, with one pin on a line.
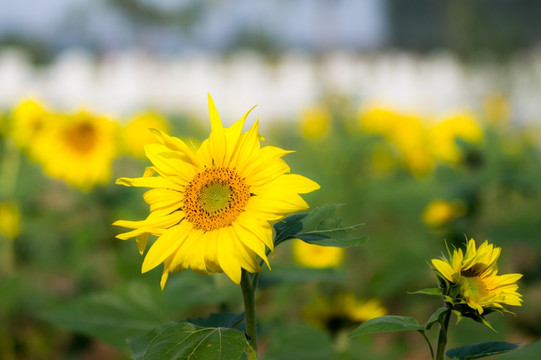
pixel 215 198
pixel 81 138
pixel 473 287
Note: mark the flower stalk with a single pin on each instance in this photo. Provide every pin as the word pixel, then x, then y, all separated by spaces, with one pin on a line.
pixel 248 292
pixel 442 338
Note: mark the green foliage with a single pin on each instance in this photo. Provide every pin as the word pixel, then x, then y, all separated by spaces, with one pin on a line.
pixel 388 323
pixel 188 341
pixel 322 226
pixel 299 342
pixel 527 352
pixel 476 351
pixel 223 320
pixel 436 317
pixel 112 316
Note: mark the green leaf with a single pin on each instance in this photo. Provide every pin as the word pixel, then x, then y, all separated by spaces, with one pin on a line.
pixel 429 291
pixel 191 342
pixel 112 316
pixel 222 320
pixel 388 323
pixel 288 228
pixel 322 226
pixel 139 344
pixel 527 352
pixel 479 350
pixel 298 342
pixel 435 317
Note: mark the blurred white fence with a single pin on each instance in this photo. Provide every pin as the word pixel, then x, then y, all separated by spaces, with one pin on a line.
pixel 122 83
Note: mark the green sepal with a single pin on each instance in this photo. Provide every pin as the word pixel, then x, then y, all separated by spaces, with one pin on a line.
pixel 479 350
pixel 428 291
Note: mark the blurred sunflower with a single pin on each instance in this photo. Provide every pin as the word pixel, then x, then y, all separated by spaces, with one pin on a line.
pixel 315 123
pixel 212 207
pixel 474 281
pixel 137 133
pixel 341 311
pixel 315 256
pixel 444 135
pixel 78 149
pixel 10 219
pixel 29 120
pixel 440 212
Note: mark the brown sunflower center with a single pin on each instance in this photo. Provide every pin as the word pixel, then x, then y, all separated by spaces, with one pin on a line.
pixel 215 198
pixel 81 138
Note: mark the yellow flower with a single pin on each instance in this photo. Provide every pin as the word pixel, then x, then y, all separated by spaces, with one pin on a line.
pixel 315 123
pixel 439 212
pixel 10 219
pixel 78 149
pixel 443 136
pixel 377 119
pixel 137 133
pixel 475 275
pixel 212 207
pixel 497 109
pixel 342 310
pixel 315 256
pixel 29 120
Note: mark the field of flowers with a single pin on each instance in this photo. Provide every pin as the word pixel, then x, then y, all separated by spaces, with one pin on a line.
pixel 421 186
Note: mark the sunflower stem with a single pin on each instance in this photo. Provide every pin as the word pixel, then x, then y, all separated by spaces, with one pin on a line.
pixel 248 291
pixel 442 338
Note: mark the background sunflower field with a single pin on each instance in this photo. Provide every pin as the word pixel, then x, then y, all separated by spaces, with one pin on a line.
pixel 421 119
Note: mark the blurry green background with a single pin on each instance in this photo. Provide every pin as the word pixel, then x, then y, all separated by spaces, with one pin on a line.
pixel 390 106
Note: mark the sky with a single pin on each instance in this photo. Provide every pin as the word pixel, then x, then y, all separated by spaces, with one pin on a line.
pixel 306 24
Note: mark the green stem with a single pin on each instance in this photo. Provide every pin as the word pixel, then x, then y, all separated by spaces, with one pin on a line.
pixel 248 290
pixel 9 169
pixel 429 344
pixel 442 338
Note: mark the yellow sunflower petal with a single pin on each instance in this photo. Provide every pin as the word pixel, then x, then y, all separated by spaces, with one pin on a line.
pixel 165 245
pixel 444 268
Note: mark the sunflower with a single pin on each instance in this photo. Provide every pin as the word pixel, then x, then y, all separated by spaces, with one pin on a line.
pixel 10 219
pixel 475 277
pixel 341 311
pixel 78 149
pixel 28 122
pixel 136 134
pixel 212 207
pixel 315 256
pixel 440 212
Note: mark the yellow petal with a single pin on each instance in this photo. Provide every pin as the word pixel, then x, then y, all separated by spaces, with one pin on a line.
pixel 165 245
pixel 287 182
pixel 226 256
pixel 444 268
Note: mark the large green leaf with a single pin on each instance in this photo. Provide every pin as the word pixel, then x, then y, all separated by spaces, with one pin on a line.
pixel 322 226
pixel 113 316
pixel 479 350
pixel 185 341
pixel 388 323
pixel 298 342
pixel 222 320
pixel 139 344
pixel 528 352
